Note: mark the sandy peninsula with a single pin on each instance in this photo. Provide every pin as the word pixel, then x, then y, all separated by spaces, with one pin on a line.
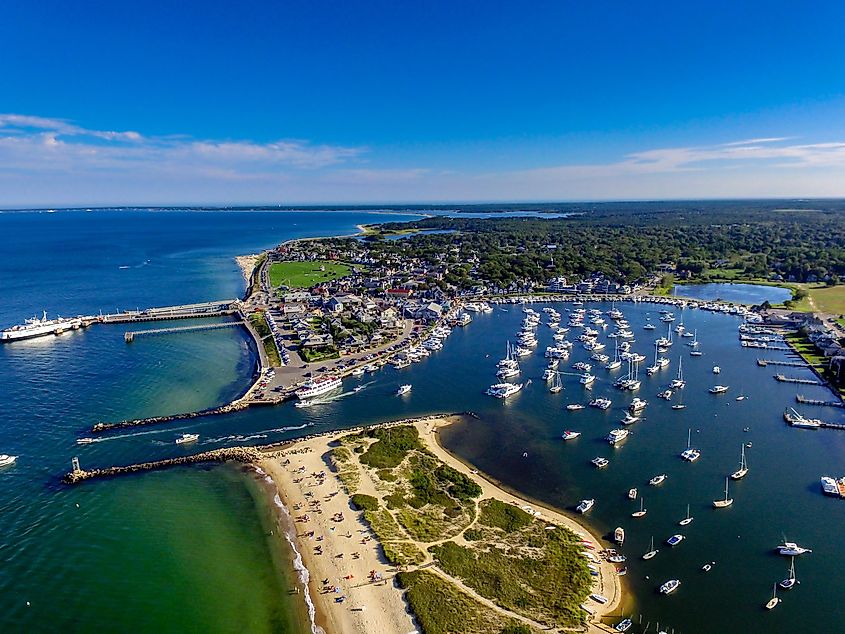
pixel 350 582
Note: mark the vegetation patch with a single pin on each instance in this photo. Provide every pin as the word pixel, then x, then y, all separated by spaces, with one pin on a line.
pixel 322 353
pixel 507 517
pixel 391 446
pixel 306 274
pixel 384 525
pixel 441 608
pixel 403 554
pixel 362 502
pixel 263 329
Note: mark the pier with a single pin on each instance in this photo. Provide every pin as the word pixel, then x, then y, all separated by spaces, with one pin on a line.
pixel 794 379
pixel 165 313
pixel 792 364
pixel 129 336
pixel 764 346
pixel 814 401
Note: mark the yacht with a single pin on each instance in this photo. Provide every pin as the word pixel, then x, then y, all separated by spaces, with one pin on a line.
pixel 670 586
pixel 790 581
pixel 629 419
pixel 791 549
pixel 689 454
pixel 718 389
pixel 186 438
pixel 829 486
pixel 574 407
pixel 464 319
pixel 600 462
pixel 601 403
pixel 652 551
pixel 675 539
pixel 570 435
pixel 509 371
pixel 771 603
pixel 720 504
pixel 6 460
pixel 318 386
pixel 657 480
pixel 403 389
pixel 617 435
pixel 587 379
pixel 619 535
pixel 504 390
pixel 743 467
pixel 637 404
pixel 585 505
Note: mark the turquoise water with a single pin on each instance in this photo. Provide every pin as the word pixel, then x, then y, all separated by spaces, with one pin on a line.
pixel 739 293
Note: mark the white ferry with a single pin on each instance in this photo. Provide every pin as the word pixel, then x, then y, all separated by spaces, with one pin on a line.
pixel 36 327
pixel 318 386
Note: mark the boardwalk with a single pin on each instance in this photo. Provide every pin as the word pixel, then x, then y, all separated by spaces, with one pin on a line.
pixel 130 335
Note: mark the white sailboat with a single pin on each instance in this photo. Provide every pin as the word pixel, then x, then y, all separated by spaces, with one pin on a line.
pixel 652 551
pixel 775 599
pixel 678 382
pixel 689 454
pixel 687 520
pixel 641 512
pixel 557 384
pixel 720 504
pixel 790 581
pixel 743 467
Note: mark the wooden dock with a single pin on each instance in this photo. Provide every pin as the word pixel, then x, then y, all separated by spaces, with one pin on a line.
pixel 814 401
pixel 130 335
pixel 795 379
pixel 791 364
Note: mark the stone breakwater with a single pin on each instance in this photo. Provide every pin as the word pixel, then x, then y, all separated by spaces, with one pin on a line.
pixel 234 406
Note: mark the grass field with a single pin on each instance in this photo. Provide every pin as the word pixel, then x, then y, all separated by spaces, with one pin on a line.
pixel 829 299
pixel 306 274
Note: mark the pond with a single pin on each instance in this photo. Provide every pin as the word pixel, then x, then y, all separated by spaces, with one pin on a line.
pixel 740 293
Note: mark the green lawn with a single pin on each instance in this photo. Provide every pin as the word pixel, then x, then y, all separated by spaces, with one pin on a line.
pixel 829 299
pixel 306 274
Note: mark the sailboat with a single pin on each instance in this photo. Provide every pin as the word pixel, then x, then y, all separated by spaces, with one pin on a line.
pixel 653 367
pixel 652 551
pixel 789 582
pixel 775 599
pixel 689 454
pixel 678 383
pixel 720 504
pixel 617 362
pixel 641 512
pixel 743 467
pixel 557 384
pixel 687 520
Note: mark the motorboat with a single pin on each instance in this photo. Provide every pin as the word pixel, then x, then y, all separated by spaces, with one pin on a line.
pixel 676 539
pixel 601 403
pixel 829 486
pixel 186 438
pixel 657 480
pixel 791 549
pixel 504 390
pixel 358 372
pixel 585 505
pixel 670 586
pixel 616 436
pixel 404 389
pixel 570 435
pixel 718 389
pixel 717 369
pixel 574 407
pixel 6 460
pixel 587 379
pixel 624 625
pixel 619 535
pixel 600 462
pixel 637 404
pixel 85 441
pixel 632 493
pixel 629 419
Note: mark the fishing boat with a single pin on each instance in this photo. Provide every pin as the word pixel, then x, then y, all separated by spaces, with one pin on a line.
pixel 670 586
pixel 570 435
pixel 689 454
pixel 687 520
pixel 791 549
pixel 632 493
pixel 790 581
pixel 657 480
pixel 771 603
pixel 585 505
pixel 676 539
pixel 740 473
pixel 718 389
pixel 186 438
pixel 652 551
pixel 641 512
pixel 574 407
pixel 599 462
pixel 619 535
pixel 720 504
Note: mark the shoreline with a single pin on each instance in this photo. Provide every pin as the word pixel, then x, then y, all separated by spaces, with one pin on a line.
pixel 377 606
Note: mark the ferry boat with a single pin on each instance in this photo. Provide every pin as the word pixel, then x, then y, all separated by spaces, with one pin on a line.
pixel 186 438
pixel 616 435
pixel 39 327
pixel 504 390
pixel 599 462
pixel 403 389
pixel 570 435
pixel 318 386
pixel 585 505
pixel 6 460
pixel 675 539
pixel 670 586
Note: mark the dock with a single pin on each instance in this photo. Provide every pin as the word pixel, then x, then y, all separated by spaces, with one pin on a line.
pixel 763 346
pixel 129 336
pixel 791 364
pixel 814 401
pixel 795 379
pixel 166 313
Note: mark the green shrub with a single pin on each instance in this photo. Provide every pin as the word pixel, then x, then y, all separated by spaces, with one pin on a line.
pixel 505 516
pixel 391 446
pixel 363 502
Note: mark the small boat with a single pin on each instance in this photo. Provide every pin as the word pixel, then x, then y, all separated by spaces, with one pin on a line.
pixel 720 504
pixel 85 441
pixel 624 625
pixel 657 480
pixel 829 486
pixel 629 419
pixel 619 535
pixel 696 353
pixel 6 459
pixel 186 438
pixel 689 454
pixel 358 388
pixel 790 581
pixel 649 326
pixel 717 369
pixel 718 389
pixel 404 389
pixel 632 493
pixel 652 551
pixel 574 407
pixel 617 559
pixel 305 403
pixel 637 404
pixel 670 586
pixel 358 372
pixel 641 512
pixel 675 539
pixel 687 520
pixel 570 435
pixel 708 566
pixel 774 600
pixel 621 572
pixel 585 505
pixel 791 549
pixel 600 462
pixel 679 406
pixel 743 466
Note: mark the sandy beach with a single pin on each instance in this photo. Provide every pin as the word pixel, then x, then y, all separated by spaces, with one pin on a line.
pixel 359 594
pixel 247 264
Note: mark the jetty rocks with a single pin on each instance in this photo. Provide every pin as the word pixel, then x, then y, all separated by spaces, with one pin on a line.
pixel 246 455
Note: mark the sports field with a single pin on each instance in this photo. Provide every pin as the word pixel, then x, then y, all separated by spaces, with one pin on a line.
pixel 306 274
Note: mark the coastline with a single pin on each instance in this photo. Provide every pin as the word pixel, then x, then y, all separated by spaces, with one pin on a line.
pixel 376 606
pixel 247 263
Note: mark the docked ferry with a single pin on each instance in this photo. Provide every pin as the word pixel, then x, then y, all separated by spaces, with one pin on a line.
pixel 320 385
pixel 36 327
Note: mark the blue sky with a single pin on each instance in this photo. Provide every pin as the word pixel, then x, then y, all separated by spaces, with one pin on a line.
pixel 289 102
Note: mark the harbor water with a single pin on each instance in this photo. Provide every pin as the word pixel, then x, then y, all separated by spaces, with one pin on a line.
pixel 741 293
pixel 189 549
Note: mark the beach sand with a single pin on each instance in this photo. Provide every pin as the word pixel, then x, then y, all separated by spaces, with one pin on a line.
pixel 370 607
pixel 247 264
